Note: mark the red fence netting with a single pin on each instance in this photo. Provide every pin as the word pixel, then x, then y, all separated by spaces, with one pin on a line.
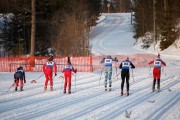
pixel 81 63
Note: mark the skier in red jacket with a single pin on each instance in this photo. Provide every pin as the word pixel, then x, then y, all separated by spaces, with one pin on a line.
pixel 48 71
pixel 67 76
pixel 157 71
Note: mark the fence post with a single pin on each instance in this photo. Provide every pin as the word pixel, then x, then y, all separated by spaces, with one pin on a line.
pixel 91 66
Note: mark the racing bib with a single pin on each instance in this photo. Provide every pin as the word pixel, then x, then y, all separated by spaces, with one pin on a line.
pixel 157 63
pixel 108 62
pixel 125 64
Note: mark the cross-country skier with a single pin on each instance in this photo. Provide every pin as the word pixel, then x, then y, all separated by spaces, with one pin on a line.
pixel 125 65
pixel 157 71
pixel 48 71
pixel 67 76
pixel 19 76
pixel 108 70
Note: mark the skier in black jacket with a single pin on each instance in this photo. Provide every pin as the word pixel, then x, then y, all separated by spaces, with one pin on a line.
pixel 19 75
pixel 125 65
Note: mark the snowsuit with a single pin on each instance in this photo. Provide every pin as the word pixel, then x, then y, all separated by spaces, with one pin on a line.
pixel 48 71
pixel 108 70
pixel 67 77
pixel 125 65
pixel 19 76
pixel 157 72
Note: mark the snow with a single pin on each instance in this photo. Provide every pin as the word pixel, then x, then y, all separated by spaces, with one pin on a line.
pixel 89 101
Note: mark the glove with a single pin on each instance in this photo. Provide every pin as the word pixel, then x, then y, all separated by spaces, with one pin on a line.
pixel 14 80
pixel 55 74
pixel 24 81
pixel 75 70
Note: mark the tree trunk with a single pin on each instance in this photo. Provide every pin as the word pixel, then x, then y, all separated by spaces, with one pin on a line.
pixel 33 27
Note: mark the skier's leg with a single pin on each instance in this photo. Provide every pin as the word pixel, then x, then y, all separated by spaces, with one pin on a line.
pixel 110 80
pixel 105 81
pixel 158 84
pixel 16 84
pixel 46 82
pixel 158 80
pixel 127 83
pixel 65 83
pixel 154 83
pixel 122 83
pixel 51 82
pixel 21 85
pixel 69 84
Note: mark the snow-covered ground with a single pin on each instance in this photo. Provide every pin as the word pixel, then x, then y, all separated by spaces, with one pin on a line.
pixel 89 101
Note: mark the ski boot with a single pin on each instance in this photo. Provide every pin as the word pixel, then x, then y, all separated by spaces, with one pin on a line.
pixel 15 88
pixel 158 90
pixel 45 88
pixel 69 91
pixel 51 88
pixel 121 92
pixel 64 91
pixel 158 86
pixel 110 88
pixel 105 88
pixel 127 92
pixel 21 88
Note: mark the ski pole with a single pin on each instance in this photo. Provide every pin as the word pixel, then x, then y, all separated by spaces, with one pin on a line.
pixel 75 82
pixel 149 68
pixel 34 81
pixel 100 76
pixel 62 82
pixel 117 75
pixel 11 87
pixel 132 75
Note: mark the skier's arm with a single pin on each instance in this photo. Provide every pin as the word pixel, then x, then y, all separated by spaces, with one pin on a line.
pixel 163 63
pixel 14 77
pixel 115 59
pixel 74 70
pixel 63 71
pixel 151 62
pixel 24 77
pixel 102 61
pixel 44 67
pixel 132 66
pixel 55 68
pixel 120 66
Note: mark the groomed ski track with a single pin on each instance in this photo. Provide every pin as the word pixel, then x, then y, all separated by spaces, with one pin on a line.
pixel 89 101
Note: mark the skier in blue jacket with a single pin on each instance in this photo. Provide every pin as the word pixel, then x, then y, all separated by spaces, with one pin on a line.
pixel 125 65
pixel 108 70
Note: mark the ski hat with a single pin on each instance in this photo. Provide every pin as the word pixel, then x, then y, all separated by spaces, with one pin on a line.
pixel 20 68
pixel 158 56
pixel 50 58
pixel 108 56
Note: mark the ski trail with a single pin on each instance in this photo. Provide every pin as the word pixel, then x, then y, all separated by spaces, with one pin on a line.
pixel 158 113
pixel 96 106
pixel 118 111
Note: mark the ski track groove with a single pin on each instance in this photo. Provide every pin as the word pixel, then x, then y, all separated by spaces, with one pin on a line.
pixel 96 106
pixel 55 107
pixel 133 103
pixel 158 113
pixel 49 98
pixel 32 94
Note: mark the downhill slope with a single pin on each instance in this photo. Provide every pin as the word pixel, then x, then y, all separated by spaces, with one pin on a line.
pixel 89 101
pixel 113 36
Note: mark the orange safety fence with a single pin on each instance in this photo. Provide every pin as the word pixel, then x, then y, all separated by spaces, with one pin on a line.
pixel 81 63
